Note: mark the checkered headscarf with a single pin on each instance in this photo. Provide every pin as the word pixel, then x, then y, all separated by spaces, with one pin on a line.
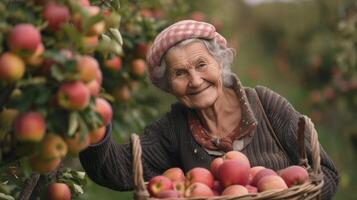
pixel 176 33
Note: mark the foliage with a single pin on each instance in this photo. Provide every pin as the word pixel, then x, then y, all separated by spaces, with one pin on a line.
pixel 115 34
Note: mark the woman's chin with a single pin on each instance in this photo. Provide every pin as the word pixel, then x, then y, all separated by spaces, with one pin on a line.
pixel 203 104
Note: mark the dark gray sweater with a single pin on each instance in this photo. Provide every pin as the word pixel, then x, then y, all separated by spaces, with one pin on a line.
pixel 168 142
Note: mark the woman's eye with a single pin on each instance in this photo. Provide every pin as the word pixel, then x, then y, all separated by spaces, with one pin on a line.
pixel 180 73
pixel 201 65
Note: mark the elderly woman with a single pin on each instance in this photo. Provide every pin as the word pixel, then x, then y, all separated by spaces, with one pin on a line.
pixel 214 114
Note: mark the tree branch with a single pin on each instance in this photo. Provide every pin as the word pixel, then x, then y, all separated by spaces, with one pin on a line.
pixel 30 184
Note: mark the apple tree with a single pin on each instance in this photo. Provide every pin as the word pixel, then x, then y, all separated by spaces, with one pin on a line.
pixel 68 68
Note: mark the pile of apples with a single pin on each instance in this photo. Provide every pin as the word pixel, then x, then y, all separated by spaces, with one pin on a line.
pixel 229 175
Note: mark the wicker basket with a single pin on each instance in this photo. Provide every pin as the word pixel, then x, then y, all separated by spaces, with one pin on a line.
pixel 309 190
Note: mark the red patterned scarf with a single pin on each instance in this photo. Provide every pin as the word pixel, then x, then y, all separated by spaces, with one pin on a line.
pixel 206 140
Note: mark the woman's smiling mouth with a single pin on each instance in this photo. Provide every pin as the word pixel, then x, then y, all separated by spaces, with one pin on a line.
pixel 198 91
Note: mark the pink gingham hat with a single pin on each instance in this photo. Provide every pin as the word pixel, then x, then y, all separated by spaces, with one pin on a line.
pixel 177 32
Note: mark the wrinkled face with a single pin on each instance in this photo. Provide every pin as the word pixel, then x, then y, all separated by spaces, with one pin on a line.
pixel 194 75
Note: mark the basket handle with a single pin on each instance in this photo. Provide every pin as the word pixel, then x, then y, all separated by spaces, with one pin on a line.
pixel 140 191
pixel 315 145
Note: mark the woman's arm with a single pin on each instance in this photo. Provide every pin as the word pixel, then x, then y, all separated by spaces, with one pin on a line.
pixel 110 164
pixel 284 120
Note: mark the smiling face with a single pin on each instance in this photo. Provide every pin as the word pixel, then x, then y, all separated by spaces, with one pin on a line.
pixel 194 76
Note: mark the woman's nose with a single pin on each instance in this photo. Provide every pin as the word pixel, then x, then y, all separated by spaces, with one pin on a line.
pixel 196 79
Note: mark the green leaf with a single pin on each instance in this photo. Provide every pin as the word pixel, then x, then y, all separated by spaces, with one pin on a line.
pixel 117 49
pixel 57 73
pixel 115 5
pixel 105 37
pixel 116 35
pixel 80 174
pixel 77 188
pixel 6 197
pixel 67 175
pixel 73 123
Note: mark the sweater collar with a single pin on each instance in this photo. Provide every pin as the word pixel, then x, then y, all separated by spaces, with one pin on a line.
pixel 248 121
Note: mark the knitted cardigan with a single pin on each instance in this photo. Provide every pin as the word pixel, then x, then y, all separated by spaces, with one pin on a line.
pixel 168 142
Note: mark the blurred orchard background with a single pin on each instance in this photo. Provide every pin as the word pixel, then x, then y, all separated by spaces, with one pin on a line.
pixel 305 50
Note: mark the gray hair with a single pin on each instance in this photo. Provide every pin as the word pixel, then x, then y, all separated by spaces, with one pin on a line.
pixel 223 55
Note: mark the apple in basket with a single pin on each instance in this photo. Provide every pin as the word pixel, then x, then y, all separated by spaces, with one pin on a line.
pixel 179 187
pixel 294 175
pixel 236 190
pixel 198 190
pixel 271 182
pixel 168 194
pixel 158 184
pixel 230 155
pixel 254 171
pixel 236 155
pixel 233 172
pixel 262 173
pixel 199 175
pixel 175 174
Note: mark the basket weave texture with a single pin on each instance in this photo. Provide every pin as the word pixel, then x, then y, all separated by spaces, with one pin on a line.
pixel 308 191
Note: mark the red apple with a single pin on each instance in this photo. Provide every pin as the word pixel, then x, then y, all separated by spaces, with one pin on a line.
pixel 44 166
pixel 77 143
pixel 138 67
pixel 199 175
pixel 179 186
pixel 236 155
pixel 97 135
pixel 58 191
pixel 12 67
pixel 198 190
pixel 90 42
pixel 141 49
pixel 104 109
pixel 83 3
pixel 236 190
pixel 88 68
pixel 93 87
pixel 175 174
pixel 52 146
pixel 55 15
pixel 294 175
pixel 261 174
pixel 99 76
pixel 18 41
pixel 113 63
pixel 146 13
pixel 251 189
pixel 122 93
pixel 253 171
pixel 168 194
pixel 271 182
pixel 36 59
pixel 97 28
pixel 158 184
pixel 73 95
pixel 233 172
pixel 30 127
pixel 215 164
